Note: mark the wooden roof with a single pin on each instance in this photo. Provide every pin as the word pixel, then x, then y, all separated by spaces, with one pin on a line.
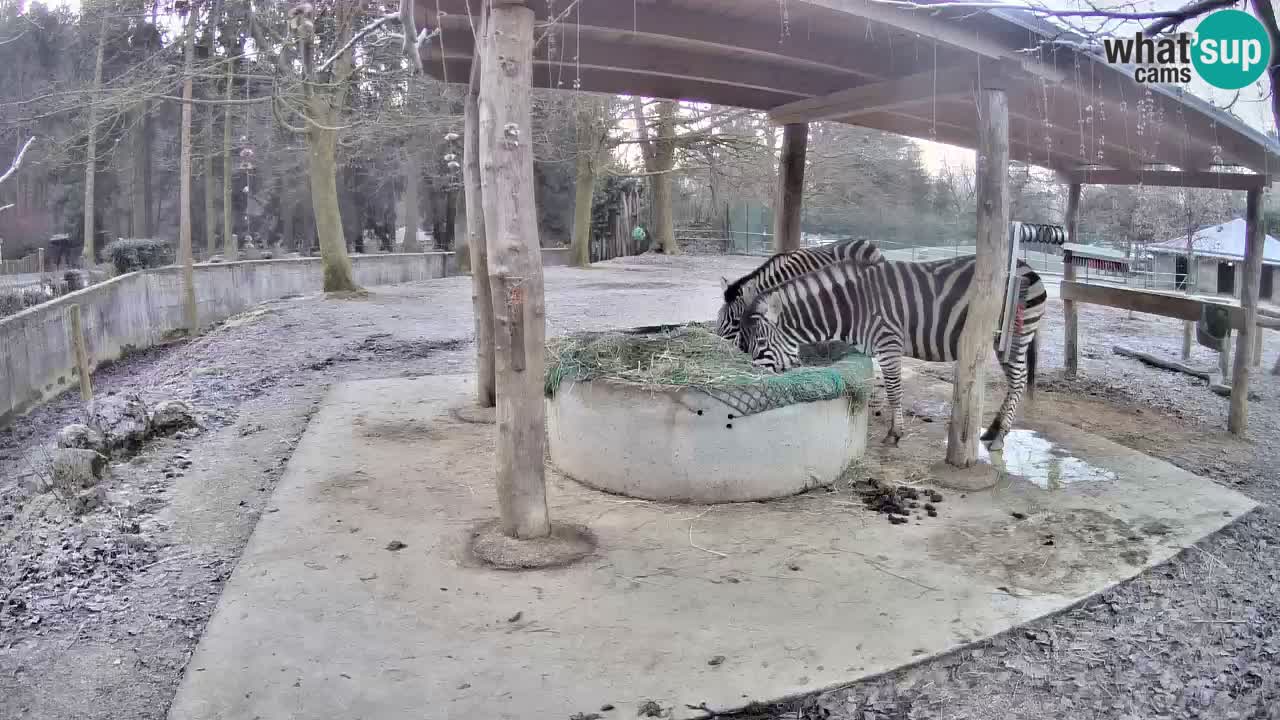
pixel 865 63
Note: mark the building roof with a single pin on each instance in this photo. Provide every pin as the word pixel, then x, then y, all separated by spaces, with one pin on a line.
pixel 897 68
pixel 1096 251
pixel 1222 241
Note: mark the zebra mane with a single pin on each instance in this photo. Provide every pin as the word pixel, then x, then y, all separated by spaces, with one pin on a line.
pixel 819 255
pixel 735 288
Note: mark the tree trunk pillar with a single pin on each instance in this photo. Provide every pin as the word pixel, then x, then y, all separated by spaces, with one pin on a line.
pixel 412 171
pixel 786 219
pixel 1224 359
pixel 1238 417
pixel 190 310
pixel 515 267
pixel 986 292
pixel 477 248
pixel 1071 314
pixel 230 248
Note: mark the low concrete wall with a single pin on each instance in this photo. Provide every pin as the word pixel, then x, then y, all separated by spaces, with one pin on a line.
pixel 685 446
pixel 138 310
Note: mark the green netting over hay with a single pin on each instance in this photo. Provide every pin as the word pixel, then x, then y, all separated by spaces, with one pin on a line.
pixel 692 356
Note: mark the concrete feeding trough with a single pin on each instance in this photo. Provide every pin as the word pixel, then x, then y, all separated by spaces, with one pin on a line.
pixel 676 414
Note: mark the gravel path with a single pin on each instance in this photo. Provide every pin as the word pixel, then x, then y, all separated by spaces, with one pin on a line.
pixel 99 615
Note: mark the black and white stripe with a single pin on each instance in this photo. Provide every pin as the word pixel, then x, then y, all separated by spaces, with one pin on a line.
pixel 890 310
pixel 781 268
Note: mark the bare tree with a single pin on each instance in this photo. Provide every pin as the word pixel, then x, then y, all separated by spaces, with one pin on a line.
pixel 188 274
pixel 229 247
pixel 593 125
pixel 91 148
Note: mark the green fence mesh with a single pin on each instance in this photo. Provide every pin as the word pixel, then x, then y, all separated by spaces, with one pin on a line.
pixel 694 357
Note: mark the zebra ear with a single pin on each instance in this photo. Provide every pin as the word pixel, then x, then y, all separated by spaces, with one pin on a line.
pixel 724 283
pixel 773 307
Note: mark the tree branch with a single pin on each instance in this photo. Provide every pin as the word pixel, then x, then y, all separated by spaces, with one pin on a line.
pixel 17 161
pixel 1177 17
pixel 1267 14
pixel 275 110
pixel 410 40
pixel 232 101
pixel 360 35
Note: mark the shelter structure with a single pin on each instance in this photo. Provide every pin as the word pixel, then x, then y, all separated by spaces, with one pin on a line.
pixel 1217 255
pixel 1002 82
pixel 1095 260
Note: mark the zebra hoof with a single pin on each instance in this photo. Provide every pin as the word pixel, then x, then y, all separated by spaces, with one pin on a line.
pixel 892 440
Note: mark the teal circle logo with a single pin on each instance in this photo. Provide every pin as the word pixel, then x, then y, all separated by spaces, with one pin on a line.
pixel 1232 49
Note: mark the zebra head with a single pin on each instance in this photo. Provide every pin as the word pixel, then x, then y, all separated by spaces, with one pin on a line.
pixel 760 335
pixel 729 319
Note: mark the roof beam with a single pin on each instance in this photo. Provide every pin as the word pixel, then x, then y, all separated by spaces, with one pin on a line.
pixel 1170 178
pixel 946 31
pixel 877 97
pixel 627 54
pixel 959 136
pixel 621 82
pixel 680 27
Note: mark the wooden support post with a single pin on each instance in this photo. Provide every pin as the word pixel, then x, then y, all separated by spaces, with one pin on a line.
pixel 1071 316
pixel 786 217
pixel 1257 349
pixel 40 262
pixel 986 291
pixel 82 354
pixel 515 267
pixel 1224 359
pixel 1238 417
pixel 481 297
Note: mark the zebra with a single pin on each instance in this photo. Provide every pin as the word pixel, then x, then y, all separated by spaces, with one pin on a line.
pixel 891 309
pixel 782 267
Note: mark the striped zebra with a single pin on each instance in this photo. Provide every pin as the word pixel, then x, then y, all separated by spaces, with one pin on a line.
pixel 889 310
pixel 781 268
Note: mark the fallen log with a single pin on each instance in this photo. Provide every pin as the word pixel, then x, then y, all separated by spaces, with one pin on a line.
pixel 1160 362
pixel 1214 379
pixel 1218 388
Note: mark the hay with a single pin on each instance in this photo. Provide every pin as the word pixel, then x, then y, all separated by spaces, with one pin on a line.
pixel 692 356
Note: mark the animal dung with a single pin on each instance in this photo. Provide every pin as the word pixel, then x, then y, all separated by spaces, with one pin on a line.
pixel 899 504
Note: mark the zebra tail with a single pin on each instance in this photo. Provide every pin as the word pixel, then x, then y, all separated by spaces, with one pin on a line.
pixel 1031 367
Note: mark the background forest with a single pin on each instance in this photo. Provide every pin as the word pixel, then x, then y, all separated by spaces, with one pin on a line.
pixel 99 86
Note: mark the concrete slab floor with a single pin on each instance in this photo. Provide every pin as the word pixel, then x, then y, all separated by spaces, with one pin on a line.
pixel 690 607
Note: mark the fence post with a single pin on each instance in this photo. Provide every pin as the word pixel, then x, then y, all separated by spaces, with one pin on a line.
pixel 82 354
pixel 1071 317
pixel 1224 359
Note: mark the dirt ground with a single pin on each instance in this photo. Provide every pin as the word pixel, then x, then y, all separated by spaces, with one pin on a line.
pixel 99 615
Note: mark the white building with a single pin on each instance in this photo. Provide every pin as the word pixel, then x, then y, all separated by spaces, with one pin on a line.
pixel 1217 253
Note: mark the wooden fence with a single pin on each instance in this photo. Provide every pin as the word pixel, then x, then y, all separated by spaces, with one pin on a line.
pixel 31 264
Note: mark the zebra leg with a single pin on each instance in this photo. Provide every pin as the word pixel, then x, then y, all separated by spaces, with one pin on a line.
pixel 1015 373
pixel 891 369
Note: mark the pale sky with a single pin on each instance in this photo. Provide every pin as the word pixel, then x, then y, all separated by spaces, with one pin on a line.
pixel 1253 106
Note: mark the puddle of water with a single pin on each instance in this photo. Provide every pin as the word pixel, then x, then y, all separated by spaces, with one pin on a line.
pixel 1029 456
